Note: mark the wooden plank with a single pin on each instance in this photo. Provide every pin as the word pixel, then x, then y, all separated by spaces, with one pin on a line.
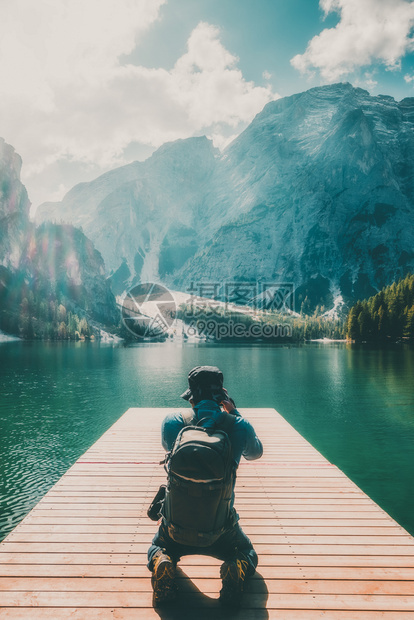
pixel 140 600
pixel 281 484
pixel 137 571
pixel 184 613
pixel 148 528
pixel 252 495
pixel 287 547
pixel 244 514
pixel 208 585
pixel 52 520
pixel 261 501
pixel 325 549
pixel 293 558
pixel 141 536
pixel 134 507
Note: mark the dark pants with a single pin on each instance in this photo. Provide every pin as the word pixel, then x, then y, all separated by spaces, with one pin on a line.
pixel 232 545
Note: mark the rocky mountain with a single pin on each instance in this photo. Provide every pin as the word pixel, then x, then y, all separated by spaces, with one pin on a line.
pixel 144 218
pixel 317 191
pixel 45 268
pixel 14 208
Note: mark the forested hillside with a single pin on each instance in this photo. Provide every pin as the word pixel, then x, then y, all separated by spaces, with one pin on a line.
pixel 387 316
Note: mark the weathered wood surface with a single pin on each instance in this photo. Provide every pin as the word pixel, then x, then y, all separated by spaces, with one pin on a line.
pixel 325 549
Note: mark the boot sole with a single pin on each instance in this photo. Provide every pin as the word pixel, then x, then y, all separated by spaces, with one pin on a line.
pixel 163 583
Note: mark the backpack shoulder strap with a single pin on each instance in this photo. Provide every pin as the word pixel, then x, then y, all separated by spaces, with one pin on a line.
pixel 188 417
pixel 227 422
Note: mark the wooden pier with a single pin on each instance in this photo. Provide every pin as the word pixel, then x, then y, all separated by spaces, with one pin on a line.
pixel 325 549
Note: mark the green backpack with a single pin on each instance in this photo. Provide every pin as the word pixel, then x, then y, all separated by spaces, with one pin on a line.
pixel 201 477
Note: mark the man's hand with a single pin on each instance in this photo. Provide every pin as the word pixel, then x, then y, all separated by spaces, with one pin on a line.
pixel 228 403
pixel 228 406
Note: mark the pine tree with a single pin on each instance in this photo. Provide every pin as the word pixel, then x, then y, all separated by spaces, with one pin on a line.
pixel 353 329
pixel 408 331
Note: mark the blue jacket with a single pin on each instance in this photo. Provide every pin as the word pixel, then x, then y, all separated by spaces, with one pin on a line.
pixel 242 436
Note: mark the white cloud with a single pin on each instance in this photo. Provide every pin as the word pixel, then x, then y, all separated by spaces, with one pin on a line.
pixel 51 44
pixel 68 103
pixel 369 31
pixel 208 85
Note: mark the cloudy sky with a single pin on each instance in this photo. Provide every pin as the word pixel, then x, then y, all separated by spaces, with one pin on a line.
pixel 89 85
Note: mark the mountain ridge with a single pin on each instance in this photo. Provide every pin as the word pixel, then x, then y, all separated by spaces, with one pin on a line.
pixel 318 190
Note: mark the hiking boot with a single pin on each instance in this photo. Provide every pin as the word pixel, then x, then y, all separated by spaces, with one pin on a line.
pixel 233 575
pixel 163 579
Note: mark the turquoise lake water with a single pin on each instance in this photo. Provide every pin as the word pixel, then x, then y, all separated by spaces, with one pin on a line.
pixel 355 405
